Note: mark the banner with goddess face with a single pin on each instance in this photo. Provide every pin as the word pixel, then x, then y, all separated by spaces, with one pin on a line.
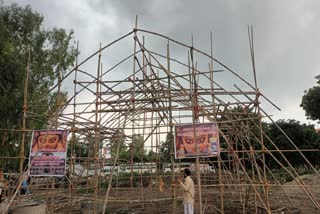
pixel 205 136
pixel 48 152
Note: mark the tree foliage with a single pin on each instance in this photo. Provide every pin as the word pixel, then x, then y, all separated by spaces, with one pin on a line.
pixel 117 139
pixel 138 147
pixel 80 148
pixel 51 51
pixel 166 148
pixel 311 101
pixel 304 136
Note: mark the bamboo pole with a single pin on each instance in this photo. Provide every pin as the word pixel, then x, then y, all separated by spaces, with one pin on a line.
pixel 96 135
pixel 24 115
pixel 133 96
pixel 306 190
pixel 143 131
pixel 308 193
pixel 112 172
pixel 250 180
pixel 194 104
pixel 266 190
pixel 73 130
pixel 215 119
pixel 173 189
pixel 84 61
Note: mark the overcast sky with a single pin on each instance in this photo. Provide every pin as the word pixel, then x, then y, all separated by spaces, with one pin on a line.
pixel 287 35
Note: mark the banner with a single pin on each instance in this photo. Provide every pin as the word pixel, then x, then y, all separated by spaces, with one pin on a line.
pixel 48 152
pixel 205 136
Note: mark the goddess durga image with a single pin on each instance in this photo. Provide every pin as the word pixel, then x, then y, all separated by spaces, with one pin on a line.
pixel 49 142
pixel 203 137
pixel 188 144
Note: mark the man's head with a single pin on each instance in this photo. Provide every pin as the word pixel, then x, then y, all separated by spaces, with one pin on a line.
pixel 186 172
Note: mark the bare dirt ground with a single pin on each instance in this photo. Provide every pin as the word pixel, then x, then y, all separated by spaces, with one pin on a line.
pixel 287 199
pixel 148 199
pixel 300 202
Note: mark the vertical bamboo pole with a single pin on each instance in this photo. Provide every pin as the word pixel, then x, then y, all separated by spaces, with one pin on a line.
pixel 144 123
pixel 56 126
pixel 133 96
pixel 251 182
pixel 247 127
pixel 266 189
pixel 156 131
pixel 194 129
pixel 114 164
pixel 294 172
pixel 101 164
pixel 252 170
pixel 131 165
pixel 88 160
pixel 117 162
pixel 73 130
pixel 245 188
pixel 173 189
pixel 215 119
pixel 58 104
pixel 24 115
pixel 190 75
pixel 96 135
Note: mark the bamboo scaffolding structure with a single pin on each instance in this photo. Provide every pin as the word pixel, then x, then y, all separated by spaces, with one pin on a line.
pixel 162 90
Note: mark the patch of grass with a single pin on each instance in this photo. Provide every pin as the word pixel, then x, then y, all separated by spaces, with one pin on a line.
pixel 283 176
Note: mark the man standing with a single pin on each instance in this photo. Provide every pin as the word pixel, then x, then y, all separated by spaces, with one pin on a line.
pixel 1 190
pixel 188 192
pixel 1 185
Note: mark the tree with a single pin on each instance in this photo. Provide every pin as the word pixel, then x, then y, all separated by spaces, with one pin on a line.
pixel 151 156
pixel 246 128
pixel 304 136
pixel 80 149
pixel 311 101
pixel 166 148
pixel 138 147
pixel 51 51
pixel 118 138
